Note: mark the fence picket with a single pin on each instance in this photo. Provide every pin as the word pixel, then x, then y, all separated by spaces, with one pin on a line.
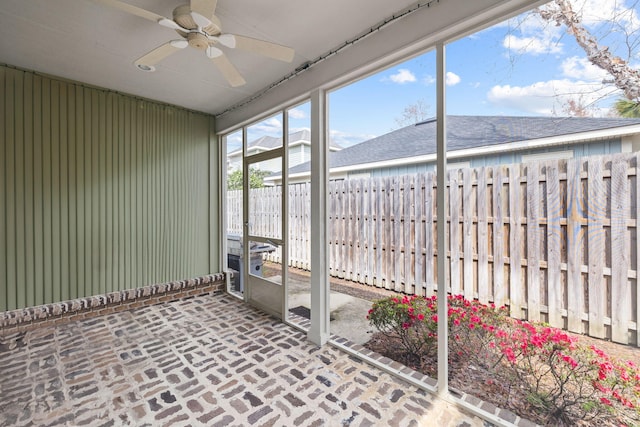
pixel 636 160
pixel 620 291
pixel 369 238
pixel 429 237
pixel 554 234
pixel 397 237
pixel 516 296
pixel 533 243
pixel 597 212
pixel 418 233
pixel 333 228
pixel 407 236
pixel 468 238
pixel 388 236
pixel 454 233
pixel 498 290
pixel 482 241
pixel 379 198
pixel 350 228
pixel 574 237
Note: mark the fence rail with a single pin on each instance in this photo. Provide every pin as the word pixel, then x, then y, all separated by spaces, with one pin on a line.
pixel 556 241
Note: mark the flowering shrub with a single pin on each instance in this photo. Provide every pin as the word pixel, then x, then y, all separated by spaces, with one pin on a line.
pixel 408 318
pixel 555 372
pixel 563 380
pixel 472 325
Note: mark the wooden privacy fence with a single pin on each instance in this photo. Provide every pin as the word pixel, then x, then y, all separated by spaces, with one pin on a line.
pixel 556 241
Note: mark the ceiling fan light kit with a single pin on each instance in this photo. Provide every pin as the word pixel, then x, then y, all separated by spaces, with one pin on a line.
pixel 202 30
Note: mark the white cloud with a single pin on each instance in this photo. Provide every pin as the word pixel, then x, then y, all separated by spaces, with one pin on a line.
pixel 429 80
pixel 595 11
pixel 269 126
pixel 295 113
pixel 452 79
pixel 403 76
pixel 582 69
pixel 547 98
pixel 345 139
pixel 531 45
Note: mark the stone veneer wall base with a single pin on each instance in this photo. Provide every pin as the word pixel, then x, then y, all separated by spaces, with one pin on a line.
pixel 24 319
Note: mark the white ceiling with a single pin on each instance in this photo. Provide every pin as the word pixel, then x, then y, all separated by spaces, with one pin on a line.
pixel 91 43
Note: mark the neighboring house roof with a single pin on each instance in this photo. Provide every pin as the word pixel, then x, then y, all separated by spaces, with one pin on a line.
pixel 468 132
pixel 266 143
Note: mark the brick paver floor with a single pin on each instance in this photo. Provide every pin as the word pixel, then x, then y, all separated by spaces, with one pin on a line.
pixel 210 360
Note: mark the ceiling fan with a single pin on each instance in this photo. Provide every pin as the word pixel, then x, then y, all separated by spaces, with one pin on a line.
pixel 199 28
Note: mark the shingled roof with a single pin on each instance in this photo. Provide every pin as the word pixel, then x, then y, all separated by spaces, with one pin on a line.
pixel 464 132
pixel 270 142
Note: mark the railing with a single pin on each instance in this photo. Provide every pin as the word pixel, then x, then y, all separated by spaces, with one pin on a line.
pixel 556 241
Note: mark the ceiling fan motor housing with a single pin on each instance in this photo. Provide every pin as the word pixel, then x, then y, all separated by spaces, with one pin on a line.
pixel 182 16
pixel 197 40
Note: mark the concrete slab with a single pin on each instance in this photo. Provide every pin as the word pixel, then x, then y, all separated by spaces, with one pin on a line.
pixel 348 313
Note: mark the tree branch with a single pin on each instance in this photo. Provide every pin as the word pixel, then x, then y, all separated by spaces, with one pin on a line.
pixel 624 77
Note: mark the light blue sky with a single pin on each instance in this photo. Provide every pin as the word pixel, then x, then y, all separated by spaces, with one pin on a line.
pixel 524 66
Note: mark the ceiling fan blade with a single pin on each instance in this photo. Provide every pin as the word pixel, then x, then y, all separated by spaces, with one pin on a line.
pixel 227 40
pixel 261 47
pixel 161 52
pixel 205 8
pixel 228 70
pixel 134 10
pixel 200 20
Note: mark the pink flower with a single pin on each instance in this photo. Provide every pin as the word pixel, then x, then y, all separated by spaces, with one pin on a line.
pixel 511 357
pixel 606 401
pixel 420 316
pixel 537 340
pixel 435 318
pixel 570 360
pixel 624 375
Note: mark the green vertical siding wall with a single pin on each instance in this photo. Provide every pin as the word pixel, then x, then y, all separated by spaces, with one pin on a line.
pixel 98 191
